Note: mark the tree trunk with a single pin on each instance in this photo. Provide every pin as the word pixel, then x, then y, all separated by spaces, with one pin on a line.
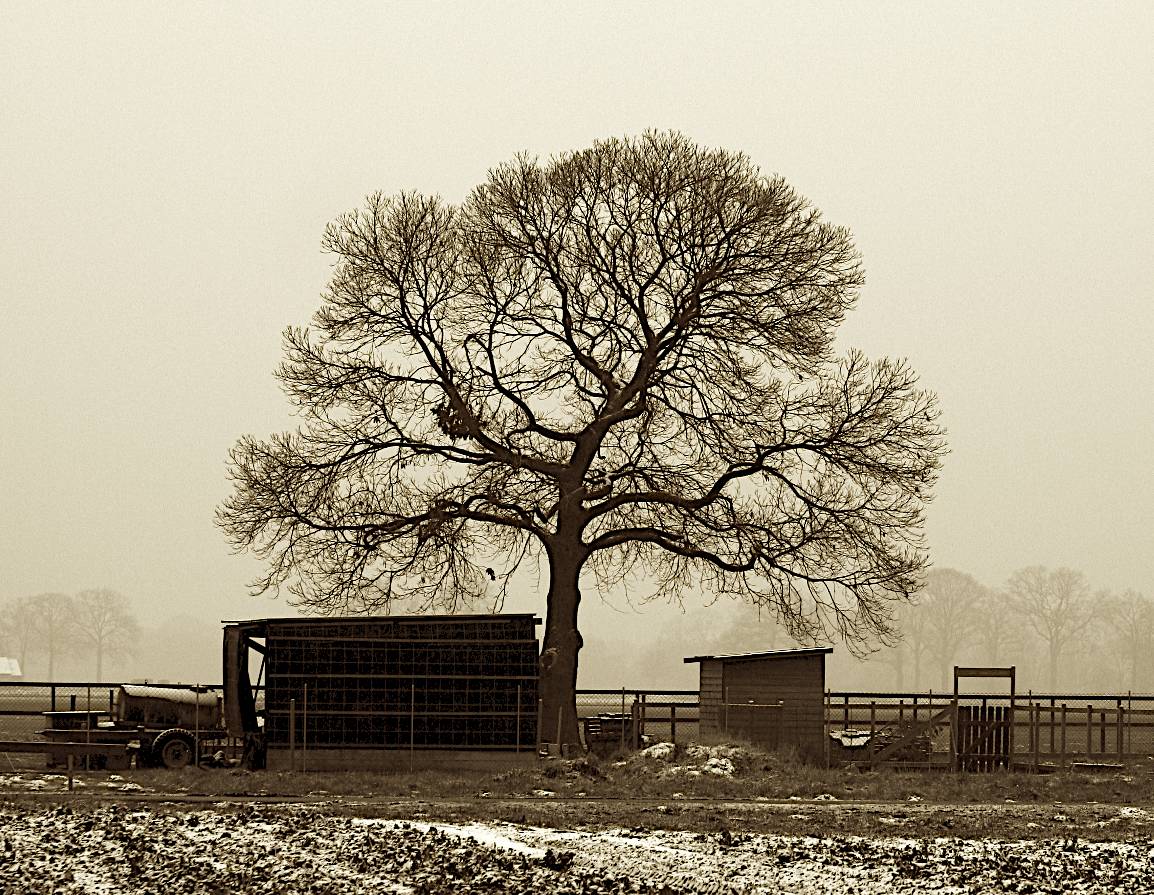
pixel 561 647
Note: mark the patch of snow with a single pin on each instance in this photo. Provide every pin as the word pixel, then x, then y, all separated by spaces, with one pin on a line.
pixel 659 751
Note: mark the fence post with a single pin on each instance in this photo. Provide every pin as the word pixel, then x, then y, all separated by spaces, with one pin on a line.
pixel 1052 750
pixel 292 734
pixel 622 725
pixel 955 734
pixel 845 713
pixel 1089 731
pixel 1102 733
pixel 518 735
pixel 1038 736
pixel 88 730
pixel 1064 760
pixel 305 731
pixel 52 691
pixel 673 723
pixel 1118 729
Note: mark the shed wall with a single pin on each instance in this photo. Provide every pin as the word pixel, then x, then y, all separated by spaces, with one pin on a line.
pixel 798 682
pixel 740 696
pixel 710 696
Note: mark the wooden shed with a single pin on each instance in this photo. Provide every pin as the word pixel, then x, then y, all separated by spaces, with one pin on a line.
pixel 774 698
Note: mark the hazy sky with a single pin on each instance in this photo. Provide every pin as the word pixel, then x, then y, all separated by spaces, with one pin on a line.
pixel 166 172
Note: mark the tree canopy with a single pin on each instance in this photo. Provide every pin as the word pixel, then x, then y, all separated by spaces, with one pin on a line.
pixel 619 359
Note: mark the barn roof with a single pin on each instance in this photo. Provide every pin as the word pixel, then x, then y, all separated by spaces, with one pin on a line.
pixel 767 654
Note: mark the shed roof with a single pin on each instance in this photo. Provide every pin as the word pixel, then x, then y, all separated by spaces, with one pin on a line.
pixel 345 619
pixel 766 654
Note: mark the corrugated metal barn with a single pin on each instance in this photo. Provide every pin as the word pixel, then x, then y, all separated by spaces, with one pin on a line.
pixel 385 691
pixel 774 698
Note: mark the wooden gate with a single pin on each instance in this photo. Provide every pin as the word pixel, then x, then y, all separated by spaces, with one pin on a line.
pixel 983 737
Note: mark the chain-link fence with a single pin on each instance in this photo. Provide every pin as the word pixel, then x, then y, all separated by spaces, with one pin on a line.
pixel 629 718
pixel 907 728
pixel 23 706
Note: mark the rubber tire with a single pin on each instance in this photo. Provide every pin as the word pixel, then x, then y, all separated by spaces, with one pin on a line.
pixel 174 749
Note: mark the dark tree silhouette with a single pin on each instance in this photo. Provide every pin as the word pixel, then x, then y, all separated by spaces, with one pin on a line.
pixel 617 360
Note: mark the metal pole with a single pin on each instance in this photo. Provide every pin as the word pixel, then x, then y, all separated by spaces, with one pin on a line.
pixel 88 731
pixel 196 730
pixel 1063 736
pixel 292 734
pixel 412 722
pixel 305 731
pixel 518 718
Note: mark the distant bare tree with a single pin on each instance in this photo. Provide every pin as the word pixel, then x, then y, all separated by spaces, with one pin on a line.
pixel 1056 605
pixel 995 628
pixel 950 603
pixel 914 624
pixel 18 624
pixel 54 626
pixel 104 622
pixel 622 359
pixel 1130 619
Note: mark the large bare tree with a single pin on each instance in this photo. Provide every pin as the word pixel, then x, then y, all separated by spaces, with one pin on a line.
pixel 105 623
pixel 615 360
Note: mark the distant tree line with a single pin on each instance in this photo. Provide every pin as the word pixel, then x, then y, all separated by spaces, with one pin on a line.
pixel 97 624
pixel 1051 623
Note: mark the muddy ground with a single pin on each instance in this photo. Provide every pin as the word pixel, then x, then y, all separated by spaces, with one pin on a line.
pixel 673 824
pixel 107 840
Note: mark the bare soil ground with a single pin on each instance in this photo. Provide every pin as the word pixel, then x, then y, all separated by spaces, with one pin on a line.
pixel 726 819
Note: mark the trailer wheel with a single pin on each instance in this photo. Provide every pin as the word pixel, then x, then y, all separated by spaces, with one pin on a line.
pixel 174 748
